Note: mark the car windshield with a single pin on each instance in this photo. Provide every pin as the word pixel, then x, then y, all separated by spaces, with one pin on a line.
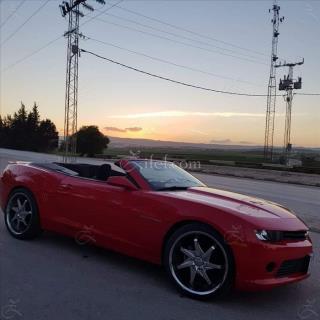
pixel 163 175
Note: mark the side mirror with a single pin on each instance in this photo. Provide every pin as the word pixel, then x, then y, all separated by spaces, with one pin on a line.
pixel 121 181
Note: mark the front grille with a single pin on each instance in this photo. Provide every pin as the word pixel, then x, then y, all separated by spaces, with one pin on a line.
pixel 294 235
pixel 289 267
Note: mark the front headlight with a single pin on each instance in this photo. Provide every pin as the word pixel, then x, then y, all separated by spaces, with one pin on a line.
pixel 265 235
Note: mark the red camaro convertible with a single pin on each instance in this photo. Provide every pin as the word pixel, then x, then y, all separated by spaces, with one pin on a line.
pixel 209 240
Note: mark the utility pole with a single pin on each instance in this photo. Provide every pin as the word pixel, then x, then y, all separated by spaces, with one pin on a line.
pixel 271 97
pixel 72 10
pixel 288 84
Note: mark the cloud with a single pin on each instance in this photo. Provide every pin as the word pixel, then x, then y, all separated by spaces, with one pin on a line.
pixel 134 129
pixel 221 141
pixel 174 113
pixel 115 129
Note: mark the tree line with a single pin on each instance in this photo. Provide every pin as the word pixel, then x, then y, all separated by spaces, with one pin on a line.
pixel 26 131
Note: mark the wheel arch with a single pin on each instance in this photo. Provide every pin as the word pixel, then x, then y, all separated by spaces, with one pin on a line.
pixel 25 188
pixel 19 187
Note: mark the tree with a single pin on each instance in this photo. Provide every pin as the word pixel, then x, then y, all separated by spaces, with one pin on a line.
pixel 18 132
pixel 25 131
pixel 32 126
pixel 47 135
pixel 5 131
pixel 91 141
pixel 33 119
pixel 2 133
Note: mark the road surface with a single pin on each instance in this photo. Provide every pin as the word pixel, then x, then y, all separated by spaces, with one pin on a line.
pixel 53 277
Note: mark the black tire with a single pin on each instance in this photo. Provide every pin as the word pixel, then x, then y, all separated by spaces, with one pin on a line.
pixel 215 262
pixel 22 206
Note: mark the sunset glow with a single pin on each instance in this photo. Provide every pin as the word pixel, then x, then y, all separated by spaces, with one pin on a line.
pixel 124 103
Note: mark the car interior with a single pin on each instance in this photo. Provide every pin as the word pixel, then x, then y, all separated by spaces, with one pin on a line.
pixel 90 171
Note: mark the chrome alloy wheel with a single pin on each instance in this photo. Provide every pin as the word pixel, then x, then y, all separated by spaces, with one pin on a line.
pixel 198 263
pixel 19 213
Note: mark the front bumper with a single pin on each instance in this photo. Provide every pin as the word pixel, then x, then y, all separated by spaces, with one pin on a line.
pixel 262 265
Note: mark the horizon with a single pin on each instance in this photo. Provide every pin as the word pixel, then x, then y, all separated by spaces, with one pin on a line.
pixel 222 144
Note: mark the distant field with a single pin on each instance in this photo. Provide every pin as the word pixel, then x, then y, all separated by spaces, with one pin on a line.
pixel 199 154
pixel 246 158
pixel 190 154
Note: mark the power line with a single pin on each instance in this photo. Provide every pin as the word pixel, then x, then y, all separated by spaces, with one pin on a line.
pixel 12 13
pixel 190 31
pixel 172 80
pixel 101 12
pixel 175 81
pixel 167 62
pixel 51 42
pixel 31 54
pixel 154 58
pixel 178 35
pixel 179 42
pixel 24 23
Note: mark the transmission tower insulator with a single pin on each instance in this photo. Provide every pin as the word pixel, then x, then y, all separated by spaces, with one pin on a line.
pixel 63 10
pixel 75 49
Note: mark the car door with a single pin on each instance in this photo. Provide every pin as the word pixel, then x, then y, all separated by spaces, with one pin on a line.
pixel 83 205
pixel 111 216
pixel 138 223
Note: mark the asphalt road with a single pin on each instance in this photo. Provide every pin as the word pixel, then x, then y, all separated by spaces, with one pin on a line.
pixel 53 277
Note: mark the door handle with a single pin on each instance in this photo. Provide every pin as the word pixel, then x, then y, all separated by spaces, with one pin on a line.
pixel 65 187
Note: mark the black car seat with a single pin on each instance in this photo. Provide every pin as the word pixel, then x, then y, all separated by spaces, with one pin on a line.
pixel 84 170
pixel 103 172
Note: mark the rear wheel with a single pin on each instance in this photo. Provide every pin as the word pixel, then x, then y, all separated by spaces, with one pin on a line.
pixel 21 215
pixel 199 262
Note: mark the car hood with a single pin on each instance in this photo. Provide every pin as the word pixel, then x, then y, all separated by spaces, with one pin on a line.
pixel 234 202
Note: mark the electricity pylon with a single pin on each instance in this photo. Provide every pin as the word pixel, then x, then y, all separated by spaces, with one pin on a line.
pixel 288 84
pixel 271 98
pixel 72 10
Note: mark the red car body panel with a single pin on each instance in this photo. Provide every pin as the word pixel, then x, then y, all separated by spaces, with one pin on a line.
pixel 138 222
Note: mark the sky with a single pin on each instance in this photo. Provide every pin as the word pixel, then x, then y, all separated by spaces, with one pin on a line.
pixel 228 48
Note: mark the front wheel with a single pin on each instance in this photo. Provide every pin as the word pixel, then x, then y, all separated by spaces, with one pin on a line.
pixel 21 215
pixel 199 262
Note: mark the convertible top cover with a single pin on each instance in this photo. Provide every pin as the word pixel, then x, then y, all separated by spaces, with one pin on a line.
pixel 85 170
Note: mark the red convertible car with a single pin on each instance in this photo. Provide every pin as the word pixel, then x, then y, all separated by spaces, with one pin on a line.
pixel 208 240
